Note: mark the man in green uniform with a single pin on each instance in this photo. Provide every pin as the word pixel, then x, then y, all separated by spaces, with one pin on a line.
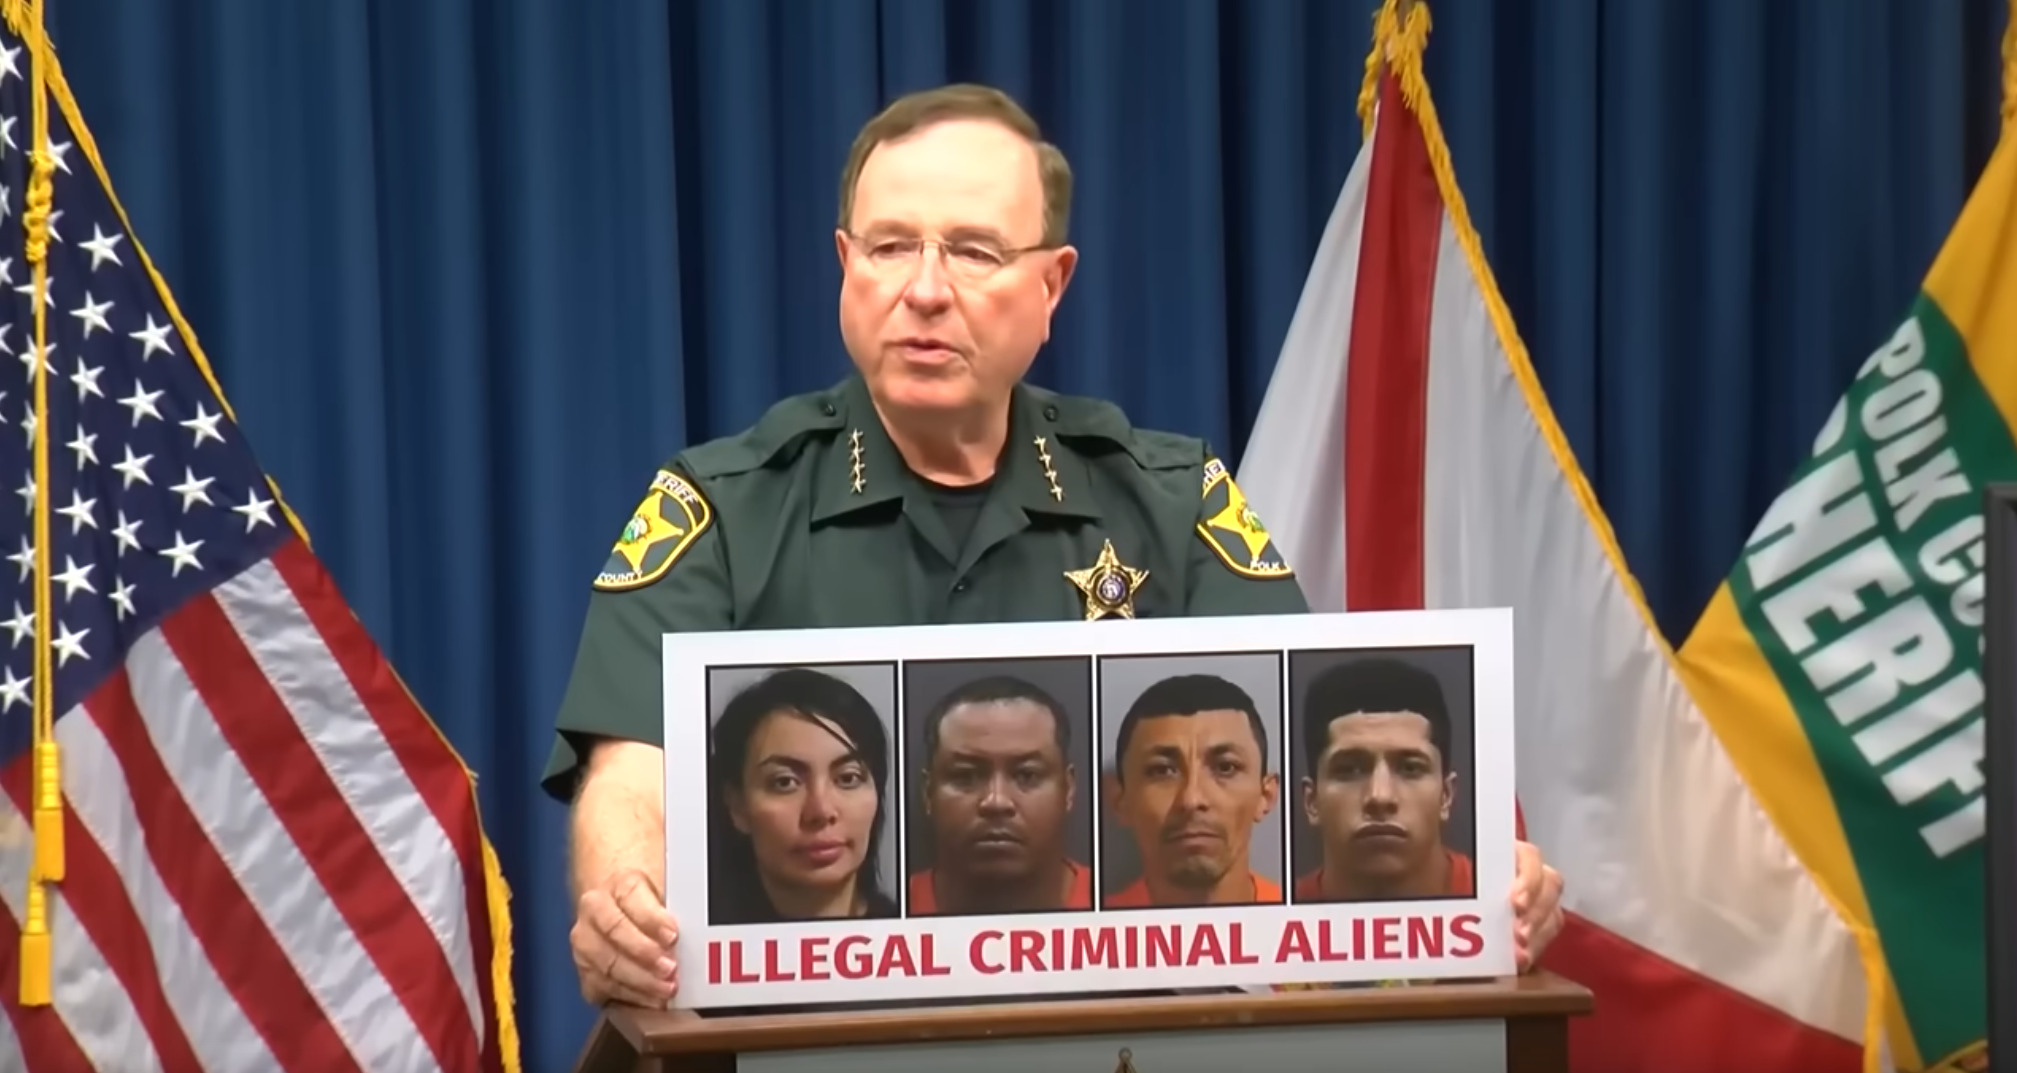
pixel 930 486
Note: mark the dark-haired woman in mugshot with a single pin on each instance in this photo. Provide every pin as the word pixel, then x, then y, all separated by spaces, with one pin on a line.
pixel 800 772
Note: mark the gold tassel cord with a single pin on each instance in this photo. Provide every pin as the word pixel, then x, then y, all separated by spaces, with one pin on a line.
pixel 47 784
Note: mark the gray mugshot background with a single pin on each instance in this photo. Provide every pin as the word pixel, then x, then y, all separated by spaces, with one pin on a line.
pixel 1067 678
pixel 1122 679
pixel 876 682
pixel 1452 667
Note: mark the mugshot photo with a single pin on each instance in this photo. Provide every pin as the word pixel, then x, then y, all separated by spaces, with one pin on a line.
pixel 802 795
pixel 1000 817
pixel 1191 790
pixel 1380 748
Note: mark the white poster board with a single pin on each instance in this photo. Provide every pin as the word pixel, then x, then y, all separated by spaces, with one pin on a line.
pixel 945 812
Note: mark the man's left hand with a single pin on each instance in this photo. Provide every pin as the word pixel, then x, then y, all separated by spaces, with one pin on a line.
pixel 1537 905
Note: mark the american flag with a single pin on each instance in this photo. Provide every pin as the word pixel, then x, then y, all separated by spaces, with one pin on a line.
pixel 272 860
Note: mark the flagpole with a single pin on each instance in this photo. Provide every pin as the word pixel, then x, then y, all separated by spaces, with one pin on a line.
pixel 46 866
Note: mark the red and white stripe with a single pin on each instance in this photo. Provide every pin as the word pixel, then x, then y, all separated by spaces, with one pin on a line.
pixel 1405 458
pixel 273 859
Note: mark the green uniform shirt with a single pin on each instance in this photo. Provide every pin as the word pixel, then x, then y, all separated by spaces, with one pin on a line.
pixel 811 518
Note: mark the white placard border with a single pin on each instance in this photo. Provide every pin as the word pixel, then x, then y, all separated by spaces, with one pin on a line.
pixel 1365 942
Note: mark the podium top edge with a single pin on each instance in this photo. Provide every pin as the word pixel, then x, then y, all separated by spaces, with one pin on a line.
pixel 670 1032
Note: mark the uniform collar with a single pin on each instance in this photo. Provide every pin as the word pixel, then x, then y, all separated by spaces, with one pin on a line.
pixel 1038 472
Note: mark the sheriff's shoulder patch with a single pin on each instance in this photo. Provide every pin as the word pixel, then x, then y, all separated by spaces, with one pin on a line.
pixel 1231 528
pixel 666 524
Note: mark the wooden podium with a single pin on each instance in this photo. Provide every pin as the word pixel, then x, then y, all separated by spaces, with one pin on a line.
pixel 1515 1025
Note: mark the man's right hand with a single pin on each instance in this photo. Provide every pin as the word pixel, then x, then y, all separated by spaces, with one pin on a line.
pixel 622 942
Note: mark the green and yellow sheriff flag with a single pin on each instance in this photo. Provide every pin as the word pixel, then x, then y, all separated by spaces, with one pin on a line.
pixel 1841 662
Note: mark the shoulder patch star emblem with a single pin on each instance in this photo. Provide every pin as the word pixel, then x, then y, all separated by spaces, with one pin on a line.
pixel 1232 529
pixel 668 521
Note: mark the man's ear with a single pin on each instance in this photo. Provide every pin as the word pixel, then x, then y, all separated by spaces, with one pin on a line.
pixel 1064 262
pixel 1056 277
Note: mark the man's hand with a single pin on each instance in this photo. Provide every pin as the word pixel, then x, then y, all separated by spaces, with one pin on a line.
pixel 622 942
pixel 1537 905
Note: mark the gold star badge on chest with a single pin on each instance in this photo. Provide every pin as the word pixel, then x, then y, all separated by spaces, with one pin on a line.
pixel 1108 585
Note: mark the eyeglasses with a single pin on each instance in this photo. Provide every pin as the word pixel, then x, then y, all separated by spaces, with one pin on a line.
pixel 969 259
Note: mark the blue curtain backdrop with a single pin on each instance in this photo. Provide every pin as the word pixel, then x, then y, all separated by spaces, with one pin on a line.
pixel 470 268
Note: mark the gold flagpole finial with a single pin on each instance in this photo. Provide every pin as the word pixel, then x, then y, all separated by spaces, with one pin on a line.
pixel 1400 34
pixel 2010 73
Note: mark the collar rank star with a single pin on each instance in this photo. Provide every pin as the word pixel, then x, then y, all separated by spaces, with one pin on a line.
pixel 1109 586
pixel 1050 471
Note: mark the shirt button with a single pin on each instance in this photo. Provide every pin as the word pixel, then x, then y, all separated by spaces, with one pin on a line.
pixel 961 585
pixel 827 408
pixel 1050 413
